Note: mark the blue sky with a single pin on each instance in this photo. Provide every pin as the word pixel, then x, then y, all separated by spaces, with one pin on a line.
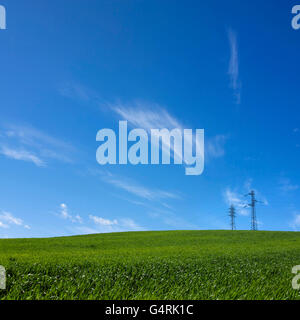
pixel 71 68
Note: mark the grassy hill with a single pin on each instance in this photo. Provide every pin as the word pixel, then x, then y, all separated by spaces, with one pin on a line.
pixel 153 265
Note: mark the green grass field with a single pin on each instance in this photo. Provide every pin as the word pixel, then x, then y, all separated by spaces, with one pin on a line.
pixel 153 265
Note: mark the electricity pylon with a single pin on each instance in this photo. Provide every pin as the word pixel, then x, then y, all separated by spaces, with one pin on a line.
pixel 232 216
pixel 253 209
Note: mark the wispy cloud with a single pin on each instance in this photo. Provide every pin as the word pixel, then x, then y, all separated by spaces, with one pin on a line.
pixel 102 225
pixel 21 154
pixel 102 221
pixel 162 211
pixel 174 221
pixel 240 198
pixel 2 225
pixel 146 115
pixel 233 69
pixel 95 224
pixel 239 201
pixel 143 114
pixel 215 147
pixel 78 92
pixel 137 189
pixel 27 135
pixel 295 224
pixel 130 224
pixel 149 116
pixel 64 213
pixel 7 219
pixel 248 186
pixel 26 143
pixel 286 185
pixel 153 200
pixel 153 116
pixel 75 91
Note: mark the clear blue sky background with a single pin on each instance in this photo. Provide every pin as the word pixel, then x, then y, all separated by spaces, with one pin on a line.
pixel 230 67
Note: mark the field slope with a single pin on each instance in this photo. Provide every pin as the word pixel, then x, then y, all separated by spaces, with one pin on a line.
pixel 153 265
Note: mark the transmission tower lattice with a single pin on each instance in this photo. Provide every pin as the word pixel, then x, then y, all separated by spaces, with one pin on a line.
pixel 232 216
pixel 253 210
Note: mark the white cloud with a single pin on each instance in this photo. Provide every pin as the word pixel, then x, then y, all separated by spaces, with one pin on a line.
pixel 147 116
pixel 79 92
pixel 26 143
pixel 130 224
pixel 64 213
pixel 142 114
pixel 287 186
pixel 233 69
pixel 74 90
pixel 102 221
pixel 7 219
pixel 2 225
pixel 233 198
pixel 137 189
pixel 295 224
pixel 248 186
pixel 105 225
pixel 163 212
pixel 234 59
pixel 22 155
pixel 153 116
pixel 215 147
pixel 171 219
pixel 242 200
pixel 85 230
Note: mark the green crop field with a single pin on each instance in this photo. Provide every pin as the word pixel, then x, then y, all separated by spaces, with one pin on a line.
pixel 153 265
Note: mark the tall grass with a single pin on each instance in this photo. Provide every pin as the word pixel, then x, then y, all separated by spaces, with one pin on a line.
pixel 153 265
